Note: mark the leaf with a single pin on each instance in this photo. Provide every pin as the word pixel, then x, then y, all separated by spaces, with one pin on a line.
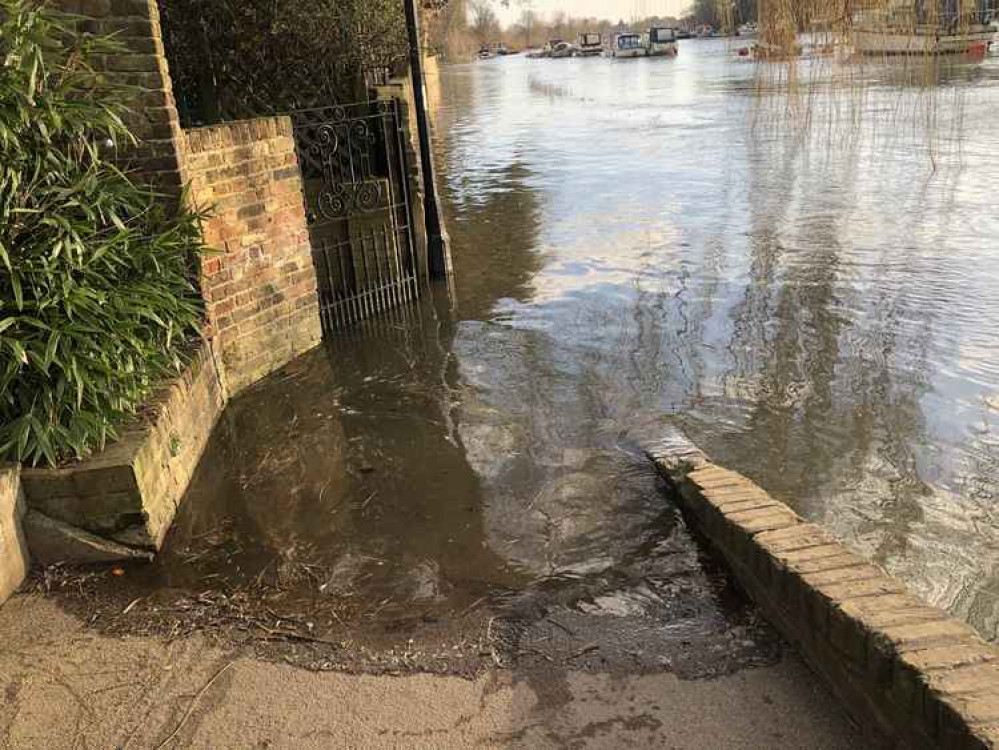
pixel 15 284
pixel 50 348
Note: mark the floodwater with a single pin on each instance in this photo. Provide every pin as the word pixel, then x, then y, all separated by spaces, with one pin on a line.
pixel 806 288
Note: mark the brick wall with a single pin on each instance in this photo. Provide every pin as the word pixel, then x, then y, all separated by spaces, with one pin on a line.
pixel 910 674
pixel 153 119
pixel 260 289
pixel 120 502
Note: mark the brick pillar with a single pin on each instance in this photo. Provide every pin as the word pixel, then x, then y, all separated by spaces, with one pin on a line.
pixel 260 288
pixel 159 159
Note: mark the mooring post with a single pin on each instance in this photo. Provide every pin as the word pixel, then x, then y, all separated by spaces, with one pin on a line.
pixel 437 240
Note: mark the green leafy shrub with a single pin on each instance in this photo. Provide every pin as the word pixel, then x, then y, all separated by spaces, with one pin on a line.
pixel 97 299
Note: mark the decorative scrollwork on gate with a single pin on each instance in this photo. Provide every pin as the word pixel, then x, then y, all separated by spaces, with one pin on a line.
pixel 345 199
pixel 343 156
pixel 356 183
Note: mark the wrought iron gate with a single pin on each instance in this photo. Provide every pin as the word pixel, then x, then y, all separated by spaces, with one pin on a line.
pixel 357 193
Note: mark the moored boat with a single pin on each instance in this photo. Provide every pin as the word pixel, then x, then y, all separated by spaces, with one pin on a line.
pixel 662 42
pixel 589 44
pixel 916 28
pixel 628 45
pixel 562 50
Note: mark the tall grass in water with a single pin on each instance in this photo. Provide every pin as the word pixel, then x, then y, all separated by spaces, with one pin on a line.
pixel 812 82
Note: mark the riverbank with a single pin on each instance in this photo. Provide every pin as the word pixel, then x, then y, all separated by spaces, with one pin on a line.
pixel 66 687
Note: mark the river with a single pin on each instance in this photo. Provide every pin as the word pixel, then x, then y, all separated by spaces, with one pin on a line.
pixel 804 286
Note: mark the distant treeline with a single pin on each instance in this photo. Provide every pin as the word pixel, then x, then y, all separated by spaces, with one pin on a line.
pixel 461 27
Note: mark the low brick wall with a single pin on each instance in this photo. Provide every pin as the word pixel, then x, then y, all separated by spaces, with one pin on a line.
pixel 260 289
pixel 13 550
pixel 120 502
pixel 911 675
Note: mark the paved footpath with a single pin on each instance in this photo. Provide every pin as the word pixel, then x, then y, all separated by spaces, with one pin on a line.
pixel 64 686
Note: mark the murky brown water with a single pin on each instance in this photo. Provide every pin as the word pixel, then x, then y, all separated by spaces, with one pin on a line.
pixel 638 248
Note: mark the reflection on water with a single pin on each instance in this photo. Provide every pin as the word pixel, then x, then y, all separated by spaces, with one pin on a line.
pixel 814 307
pixel 638 251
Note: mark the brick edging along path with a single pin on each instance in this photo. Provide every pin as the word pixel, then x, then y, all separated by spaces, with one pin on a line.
pixel 910 674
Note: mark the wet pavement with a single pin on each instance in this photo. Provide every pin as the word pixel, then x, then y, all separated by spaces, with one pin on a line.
pixel 68 687
pixel 639 248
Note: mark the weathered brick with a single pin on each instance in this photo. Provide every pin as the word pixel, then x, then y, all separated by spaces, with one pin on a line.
pixel 973 678
pixel 948 657
pixel 850 574
pixel 755 504
pixel 919 636
pixel 841 592
pixel 764 519
pixel 829 562
pixel 268 258
pixel 957 718
pixel 797 557
pixel 802 536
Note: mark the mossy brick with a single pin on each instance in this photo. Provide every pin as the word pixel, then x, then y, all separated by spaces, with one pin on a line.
pixel 142 8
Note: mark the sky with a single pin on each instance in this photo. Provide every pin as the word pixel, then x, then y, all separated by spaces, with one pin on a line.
pixel 611 9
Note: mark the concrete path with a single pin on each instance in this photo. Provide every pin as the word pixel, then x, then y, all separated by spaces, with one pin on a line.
pixel 64 686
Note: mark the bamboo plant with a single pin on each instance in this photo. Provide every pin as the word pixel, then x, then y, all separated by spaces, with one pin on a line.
pixel 97 294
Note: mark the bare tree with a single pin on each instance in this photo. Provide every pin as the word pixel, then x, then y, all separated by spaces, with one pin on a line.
pixel 483 20
pixel 560 22
pixel 527 21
